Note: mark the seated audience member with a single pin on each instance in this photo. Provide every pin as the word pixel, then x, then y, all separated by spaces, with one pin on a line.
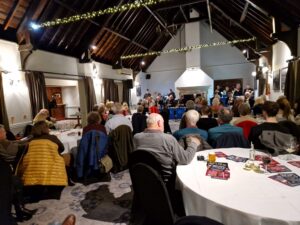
pixel 171 101
pixel 43 115
pixel 164 146
pixel 138 120
pixel 93 121
pixel 245 121
pixel 206 122
pixel 224 118
pixel 189 106
pixel 285 111
pixel 43 169
pixel 244 111
pixel 166 116
pixel 126 109
pixel 8 149
pixel 153 108
pixel 95 108
pixel 257 107
pixel 102 113
pixel 269 111
pixel 216 106
pixel 191 118
pixel 235 108
pixel 117 119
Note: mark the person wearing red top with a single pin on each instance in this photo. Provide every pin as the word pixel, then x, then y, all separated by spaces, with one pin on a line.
pixel 94 123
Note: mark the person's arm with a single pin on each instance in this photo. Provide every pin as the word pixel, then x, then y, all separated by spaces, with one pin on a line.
pixel 61 147
pixel 182 156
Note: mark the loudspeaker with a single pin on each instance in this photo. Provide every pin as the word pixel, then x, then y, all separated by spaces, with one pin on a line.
pixel 129 83
pixel 117 65
pixel 85 57
pixel 148 76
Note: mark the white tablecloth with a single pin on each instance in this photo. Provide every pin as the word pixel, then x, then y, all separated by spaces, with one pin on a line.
pixel 69 138
pixel 247 198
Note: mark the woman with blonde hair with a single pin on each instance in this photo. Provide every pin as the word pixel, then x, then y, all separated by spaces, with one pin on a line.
pixel 285 112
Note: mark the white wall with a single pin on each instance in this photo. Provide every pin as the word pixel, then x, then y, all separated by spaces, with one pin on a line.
pixel 281 53
pixel 223 62
pixel 166 68
pixel 14 85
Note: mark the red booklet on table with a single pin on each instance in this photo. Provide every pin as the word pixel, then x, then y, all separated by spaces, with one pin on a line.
pixel 218 170
pixel 295 163
pixel 278 168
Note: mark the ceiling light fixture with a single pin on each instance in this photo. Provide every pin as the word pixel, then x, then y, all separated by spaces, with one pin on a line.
pixel 34 26
pixel 94 47
pixel 143 63
pixel 244 51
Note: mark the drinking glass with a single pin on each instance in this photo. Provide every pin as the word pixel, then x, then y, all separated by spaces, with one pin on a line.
pixel 266 159
pixel 291 147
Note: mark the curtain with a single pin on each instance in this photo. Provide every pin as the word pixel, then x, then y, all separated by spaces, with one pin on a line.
pixel 110 90
pixel 126 91
pixel 3 112
pixel 37 91
pixel 90 93
pixel 292 87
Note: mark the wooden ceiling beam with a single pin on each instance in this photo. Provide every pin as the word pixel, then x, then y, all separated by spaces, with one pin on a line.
pixel 33 12
pixel 159 21
pixel 244 13
pixel 179 4
pixel 11 14
pixel 126 38
pixel 137 34
pixel 271 9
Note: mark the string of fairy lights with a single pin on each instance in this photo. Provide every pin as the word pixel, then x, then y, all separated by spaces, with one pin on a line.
pixel 112 10
pixel 187 48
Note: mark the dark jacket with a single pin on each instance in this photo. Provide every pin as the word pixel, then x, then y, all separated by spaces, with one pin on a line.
pixel 138 121
pixel 120 146
pixel 207 123
pixel 230 140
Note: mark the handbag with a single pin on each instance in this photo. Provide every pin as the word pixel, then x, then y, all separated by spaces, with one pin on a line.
pixel 105 163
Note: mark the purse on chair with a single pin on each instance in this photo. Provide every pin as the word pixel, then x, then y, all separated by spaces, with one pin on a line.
pixel 105 163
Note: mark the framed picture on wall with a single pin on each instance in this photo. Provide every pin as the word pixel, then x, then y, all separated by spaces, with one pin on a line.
pixel 283 72
pixel 276 80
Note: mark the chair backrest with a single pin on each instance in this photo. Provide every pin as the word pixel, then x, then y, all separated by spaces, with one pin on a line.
pixel 232 139
pixel 246 126
pixel 152 194
pixel 196 220
pixel 293 128
pixel 146 157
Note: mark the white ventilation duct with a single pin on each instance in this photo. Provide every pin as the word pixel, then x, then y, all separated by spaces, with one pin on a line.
pixel 194 80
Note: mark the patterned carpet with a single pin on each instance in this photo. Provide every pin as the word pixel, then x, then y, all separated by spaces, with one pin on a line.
pixel 100 203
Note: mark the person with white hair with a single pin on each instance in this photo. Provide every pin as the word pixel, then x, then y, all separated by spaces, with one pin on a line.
pixel 164 146
pixel 191 119
pixel 43 115
pixel 117 119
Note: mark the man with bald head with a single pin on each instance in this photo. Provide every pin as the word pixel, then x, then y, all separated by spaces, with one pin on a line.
pixel 164 146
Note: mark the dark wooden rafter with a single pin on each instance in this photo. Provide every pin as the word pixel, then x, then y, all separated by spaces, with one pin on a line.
pixel 159 21
pixel 244 13
pixel 266 40
pixel 137 34
pixel 271 8
pixel 11 14
pixel 33 12
pixel 126 38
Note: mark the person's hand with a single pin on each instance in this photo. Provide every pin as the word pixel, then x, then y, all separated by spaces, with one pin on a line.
pixel 195 140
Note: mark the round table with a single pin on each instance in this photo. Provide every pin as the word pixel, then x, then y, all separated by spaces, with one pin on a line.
pixel 69 138
pixel 246 198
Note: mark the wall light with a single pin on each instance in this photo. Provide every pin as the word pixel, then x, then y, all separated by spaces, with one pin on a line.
pixel 253 74
pixel 265 69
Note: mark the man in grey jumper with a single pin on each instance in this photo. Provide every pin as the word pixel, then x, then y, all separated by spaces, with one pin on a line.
pixel 164 146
